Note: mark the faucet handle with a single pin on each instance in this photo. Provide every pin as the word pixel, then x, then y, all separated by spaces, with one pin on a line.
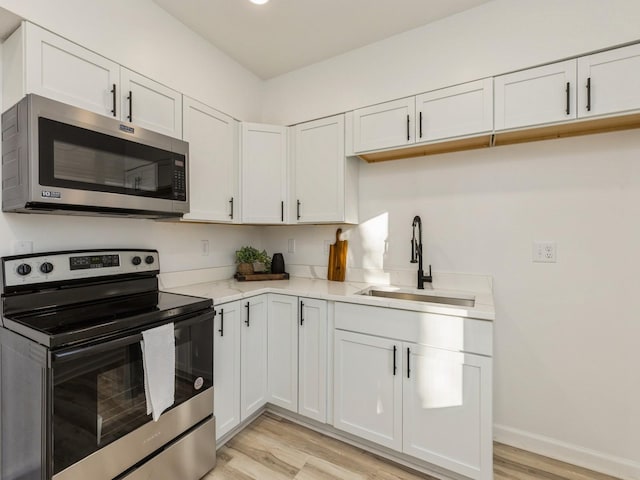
pixel 429 278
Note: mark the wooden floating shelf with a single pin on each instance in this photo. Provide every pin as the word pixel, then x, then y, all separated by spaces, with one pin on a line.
pixel 534 134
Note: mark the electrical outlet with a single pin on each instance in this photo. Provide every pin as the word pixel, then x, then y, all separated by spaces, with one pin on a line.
pixel 204 248
pixel 22 247
pixel 544 252
pixel 291 245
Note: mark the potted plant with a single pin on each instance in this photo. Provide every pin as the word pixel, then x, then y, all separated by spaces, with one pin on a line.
pixel 251 260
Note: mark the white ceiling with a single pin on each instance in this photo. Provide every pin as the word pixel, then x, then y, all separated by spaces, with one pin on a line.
pixel 285 35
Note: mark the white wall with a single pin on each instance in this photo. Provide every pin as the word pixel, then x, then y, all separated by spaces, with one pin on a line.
pixel 143 37
pixel 566 334
pixel 494 38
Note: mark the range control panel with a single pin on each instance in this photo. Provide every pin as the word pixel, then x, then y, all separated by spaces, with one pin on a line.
pixel 71 265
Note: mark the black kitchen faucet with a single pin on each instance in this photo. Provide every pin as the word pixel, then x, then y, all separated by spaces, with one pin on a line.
pixel 416 253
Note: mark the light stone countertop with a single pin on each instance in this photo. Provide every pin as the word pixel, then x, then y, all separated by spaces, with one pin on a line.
pixel 223 291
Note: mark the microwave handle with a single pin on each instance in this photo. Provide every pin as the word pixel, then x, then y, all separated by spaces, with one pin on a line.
pixel 81 352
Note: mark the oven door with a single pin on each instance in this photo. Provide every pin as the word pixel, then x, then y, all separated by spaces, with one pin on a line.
pixel 99 412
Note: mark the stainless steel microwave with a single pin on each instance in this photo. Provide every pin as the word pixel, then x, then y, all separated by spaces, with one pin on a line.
pixel 61 159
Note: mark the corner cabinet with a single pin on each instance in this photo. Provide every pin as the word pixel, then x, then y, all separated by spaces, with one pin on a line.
pixel 213 160
pixel 325 181
pixel 264 173
pixel 297 360
pixel 38 61
pixel 417 383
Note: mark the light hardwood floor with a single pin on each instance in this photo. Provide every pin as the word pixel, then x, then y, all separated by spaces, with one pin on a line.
pixel 273 448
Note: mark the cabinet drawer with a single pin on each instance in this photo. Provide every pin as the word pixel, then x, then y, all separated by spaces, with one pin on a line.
pixel 440 331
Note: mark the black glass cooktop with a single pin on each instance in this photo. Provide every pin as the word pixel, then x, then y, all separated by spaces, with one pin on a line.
pixel 56 327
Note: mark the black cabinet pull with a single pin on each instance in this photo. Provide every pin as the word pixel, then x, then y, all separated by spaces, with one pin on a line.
pixel 113 99
pixel 589 94
pixel 221 329
pixel 298 210
pixel 568 99
pixel 231 203
pixel 130 98
pixel 301 312
pixel 408 135
pixel 282 211
pixel 408 362
pixel 395 365
pixel 420 125
pixel 248 305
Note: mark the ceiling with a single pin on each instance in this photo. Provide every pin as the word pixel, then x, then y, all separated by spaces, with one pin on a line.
pixel 285 35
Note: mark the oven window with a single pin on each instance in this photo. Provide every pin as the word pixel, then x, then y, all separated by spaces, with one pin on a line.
pixel 99 397
pixel 73 157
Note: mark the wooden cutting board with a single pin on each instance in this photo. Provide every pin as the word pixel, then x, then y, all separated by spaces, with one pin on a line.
pixel 338 259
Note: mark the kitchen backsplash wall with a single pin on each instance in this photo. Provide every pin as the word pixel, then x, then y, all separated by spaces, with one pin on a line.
pixel 566 333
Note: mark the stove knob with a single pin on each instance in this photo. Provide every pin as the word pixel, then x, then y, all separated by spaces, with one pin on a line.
pixel 136 260
pixel 46 267
pixel 23 269
pixel 149 260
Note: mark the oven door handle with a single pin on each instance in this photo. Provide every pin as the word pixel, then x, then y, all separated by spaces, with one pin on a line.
pixel 80 352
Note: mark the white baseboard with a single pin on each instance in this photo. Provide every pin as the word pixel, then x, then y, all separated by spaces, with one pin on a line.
pixel 600 462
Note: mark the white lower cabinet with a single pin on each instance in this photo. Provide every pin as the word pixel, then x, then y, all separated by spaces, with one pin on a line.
pixel 443 403
pixel 226 367
pixel 253 356
pixel 426 401
pixel 297 362
pixel 367 392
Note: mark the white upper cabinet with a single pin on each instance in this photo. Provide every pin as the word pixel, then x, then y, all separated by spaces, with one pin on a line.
pixel 325 186
pixel 608 82
pixel 455 111
pixel 264 173
pixel 536 96
pixel 213 164
pixel 38 61
pixel 150 104
pixel 59 69
pixel 389 124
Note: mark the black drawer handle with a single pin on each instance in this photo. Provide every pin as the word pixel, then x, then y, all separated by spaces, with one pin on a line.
pixel 395 365
pixel 221 330
pixel 113 99
pixel 248 305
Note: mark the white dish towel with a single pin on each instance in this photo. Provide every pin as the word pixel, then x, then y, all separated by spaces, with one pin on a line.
pixel 159 362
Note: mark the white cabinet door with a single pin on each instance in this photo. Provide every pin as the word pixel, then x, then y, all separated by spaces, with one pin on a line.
pixel 367 389
pixel 608 82
pixel 226 367
pixel 253 350
pixel 149 104
pixel 319 164
pixel 264 173
pixel 62 70
pixel 539 95
pixel 283 351
pixel 312 397
pixel 462 110
pixel 390 124
pixel 213 164
pixel 447 409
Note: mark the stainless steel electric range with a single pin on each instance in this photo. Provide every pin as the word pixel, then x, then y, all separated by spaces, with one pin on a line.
pixel 72 399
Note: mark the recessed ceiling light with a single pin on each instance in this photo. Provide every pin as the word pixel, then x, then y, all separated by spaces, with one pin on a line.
pixel 259 2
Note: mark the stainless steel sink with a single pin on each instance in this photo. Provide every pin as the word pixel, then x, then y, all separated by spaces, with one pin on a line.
pixel 419 297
